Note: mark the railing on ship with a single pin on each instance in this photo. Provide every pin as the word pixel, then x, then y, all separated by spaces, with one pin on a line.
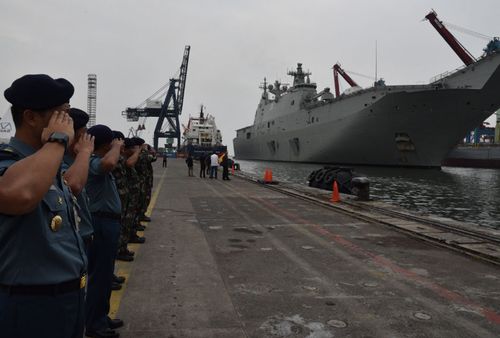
pixel 441 76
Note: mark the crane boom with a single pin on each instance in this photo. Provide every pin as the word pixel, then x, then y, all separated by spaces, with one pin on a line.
pixel 336 71
pixel 457 47
pixel 169 110
pixel 182 78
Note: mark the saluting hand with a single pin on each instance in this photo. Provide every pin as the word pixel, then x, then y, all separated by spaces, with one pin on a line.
pixel 117 142
pixel 60 122
pixel 85 144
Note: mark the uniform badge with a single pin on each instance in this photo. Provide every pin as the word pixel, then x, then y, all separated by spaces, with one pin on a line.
pixel 56 223
pixel 83 281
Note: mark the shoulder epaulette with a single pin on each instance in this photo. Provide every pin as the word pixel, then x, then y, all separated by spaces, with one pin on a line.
pixel 8 153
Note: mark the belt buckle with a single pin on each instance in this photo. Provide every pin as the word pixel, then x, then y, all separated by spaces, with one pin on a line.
pixel 83 281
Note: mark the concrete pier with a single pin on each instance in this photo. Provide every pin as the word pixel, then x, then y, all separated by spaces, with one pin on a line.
pixel 229 259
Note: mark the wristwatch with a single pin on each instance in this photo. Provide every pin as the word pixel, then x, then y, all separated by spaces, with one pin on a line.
pixel 58 137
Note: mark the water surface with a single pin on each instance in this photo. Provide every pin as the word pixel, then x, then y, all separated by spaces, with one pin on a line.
pixel 465 194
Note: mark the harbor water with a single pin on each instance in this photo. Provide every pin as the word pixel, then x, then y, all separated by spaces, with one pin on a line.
pixel 468 195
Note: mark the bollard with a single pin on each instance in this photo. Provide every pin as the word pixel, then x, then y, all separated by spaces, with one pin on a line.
pixel 361 188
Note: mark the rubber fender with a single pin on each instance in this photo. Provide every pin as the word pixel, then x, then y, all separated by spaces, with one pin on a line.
pixel 344 178
pixel 330 177
pixel 320 175
pixel 311 175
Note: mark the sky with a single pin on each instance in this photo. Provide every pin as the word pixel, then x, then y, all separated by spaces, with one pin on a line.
pixel 135 47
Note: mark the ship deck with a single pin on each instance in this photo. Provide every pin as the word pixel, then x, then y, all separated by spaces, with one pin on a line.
pixel 235 259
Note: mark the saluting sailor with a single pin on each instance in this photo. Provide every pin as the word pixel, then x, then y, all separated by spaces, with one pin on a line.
pixel 42 258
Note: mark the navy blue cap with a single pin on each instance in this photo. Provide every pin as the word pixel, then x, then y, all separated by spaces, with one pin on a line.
pixel 138 141
pixel 102 135
pixel 39 92
pixel 118 134
pixel 80 118
pixel 129 143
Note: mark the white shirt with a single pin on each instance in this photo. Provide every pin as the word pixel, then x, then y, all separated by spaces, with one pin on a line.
pixel 214 160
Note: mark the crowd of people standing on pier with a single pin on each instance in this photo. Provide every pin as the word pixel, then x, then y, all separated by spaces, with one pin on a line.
pixel 71 199
pixel 209 165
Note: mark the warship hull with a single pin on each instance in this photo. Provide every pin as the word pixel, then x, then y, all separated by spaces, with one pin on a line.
pixel 388 125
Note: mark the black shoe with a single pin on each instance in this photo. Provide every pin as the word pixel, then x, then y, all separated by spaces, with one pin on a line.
pixel 144 218
pixel 105 333
pixel 118 279
pixel 122 256
pixel 129 252
pixel 137 239
pixel 116 286
pixel 115 323
pixel 140 228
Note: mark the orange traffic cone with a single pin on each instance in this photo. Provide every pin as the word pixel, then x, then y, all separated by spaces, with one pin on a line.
pixel 266 175
pixel 270 177
pixel 335 193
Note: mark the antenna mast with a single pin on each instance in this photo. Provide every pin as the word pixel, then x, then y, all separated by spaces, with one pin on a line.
pixel 376 61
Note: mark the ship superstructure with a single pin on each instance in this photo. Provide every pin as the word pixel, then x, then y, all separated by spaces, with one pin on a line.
pixel 201 134
pixel 408 125
pixel 202 131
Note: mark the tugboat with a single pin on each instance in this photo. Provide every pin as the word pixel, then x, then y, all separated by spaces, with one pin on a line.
pixel 202 136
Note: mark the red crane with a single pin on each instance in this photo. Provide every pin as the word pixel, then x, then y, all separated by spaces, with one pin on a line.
pixel 336 71
pixel 457 47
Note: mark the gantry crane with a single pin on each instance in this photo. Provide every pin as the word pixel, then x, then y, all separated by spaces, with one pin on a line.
pixel 169 110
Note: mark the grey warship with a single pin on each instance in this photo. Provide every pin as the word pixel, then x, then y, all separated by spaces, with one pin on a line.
pixel 403 125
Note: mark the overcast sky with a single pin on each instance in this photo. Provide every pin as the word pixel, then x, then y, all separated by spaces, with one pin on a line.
pixel 134 47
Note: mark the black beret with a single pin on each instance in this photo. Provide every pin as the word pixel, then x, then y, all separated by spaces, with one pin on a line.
pixel 129 143
pixel 138 141
pixel 102 135
pixel 80 118
pixel 39 92
pixel 118 134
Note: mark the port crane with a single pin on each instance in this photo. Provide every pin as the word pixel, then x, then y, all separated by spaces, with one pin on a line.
pixel 167 110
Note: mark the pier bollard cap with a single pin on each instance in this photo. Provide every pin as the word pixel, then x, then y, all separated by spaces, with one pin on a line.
pixel 80 118
pixel 102 135
pixel 39 92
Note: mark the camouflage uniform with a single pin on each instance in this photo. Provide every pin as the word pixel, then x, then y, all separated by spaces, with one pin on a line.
pixel 132 213
pixel 120 175
pixel 142 170
pixel 149 180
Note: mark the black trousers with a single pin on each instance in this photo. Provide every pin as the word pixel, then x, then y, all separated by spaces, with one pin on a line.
pixel 202 171
pixel 55 316
pixel 225 172
pixel 102 254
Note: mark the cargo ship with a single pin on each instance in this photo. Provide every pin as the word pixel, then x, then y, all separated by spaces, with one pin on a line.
pixel 403 125
pixel 201 135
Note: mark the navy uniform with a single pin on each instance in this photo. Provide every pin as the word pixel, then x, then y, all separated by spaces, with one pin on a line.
pixel 84 217
pixel 120 175
pixel 42 259
pixel 105 207
pixel 80 120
